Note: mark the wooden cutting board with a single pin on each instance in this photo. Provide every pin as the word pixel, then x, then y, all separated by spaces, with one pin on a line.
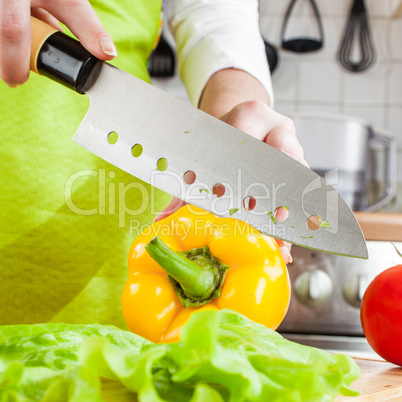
pixel 379 381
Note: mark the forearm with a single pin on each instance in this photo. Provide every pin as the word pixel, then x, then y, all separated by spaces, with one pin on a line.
pixel 228 88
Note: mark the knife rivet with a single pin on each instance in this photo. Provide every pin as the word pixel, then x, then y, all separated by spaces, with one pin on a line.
pixel 136 150
pixel 281 213
pixel 162 164
pixel 219 190
pixel 112 137
pixel 189 177
pixel 314 222
pixel 249 203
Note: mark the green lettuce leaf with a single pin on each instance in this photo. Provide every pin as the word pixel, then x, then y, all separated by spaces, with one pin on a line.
pixel 39 362
pixel 222 356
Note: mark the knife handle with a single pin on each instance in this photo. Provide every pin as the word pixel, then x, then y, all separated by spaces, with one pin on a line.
pixel 60 57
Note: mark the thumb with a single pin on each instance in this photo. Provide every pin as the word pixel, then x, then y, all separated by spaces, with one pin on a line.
pixel 81 19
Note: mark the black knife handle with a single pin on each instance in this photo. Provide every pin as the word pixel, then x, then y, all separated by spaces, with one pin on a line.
pixel 60 57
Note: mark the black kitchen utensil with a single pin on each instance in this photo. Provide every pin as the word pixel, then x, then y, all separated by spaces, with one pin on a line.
pixel 272 55
pixel 302 44
pixel 357 41
pixel 162 62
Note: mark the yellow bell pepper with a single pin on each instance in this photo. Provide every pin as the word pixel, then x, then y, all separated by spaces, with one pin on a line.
pixel 194 260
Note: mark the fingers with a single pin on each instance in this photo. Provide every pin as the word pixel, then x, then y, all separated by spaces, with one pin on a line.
pixel 81 19
pixel 15 32
pixel 15 42
pixel 173 206
pixel 250 117
pixel 262 122
pixel 285 251
pixel 284 139
pixel 45 16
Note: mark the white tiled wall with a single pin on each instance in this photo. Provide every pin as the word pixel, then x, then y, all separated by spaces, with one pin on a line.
pixel 315 82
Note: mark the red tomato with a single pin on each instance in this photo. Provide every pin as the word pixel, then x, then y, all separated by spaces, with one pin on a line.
pixel 381 314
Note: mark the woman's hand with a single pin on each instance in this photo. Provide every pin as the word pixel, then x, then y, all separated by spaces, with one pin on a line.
pixel 259 120
pixel 15 32
pixel 240 100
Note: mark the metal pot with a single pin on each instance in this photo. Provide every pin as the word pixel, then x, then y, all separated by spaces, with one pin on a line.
pixel 351 155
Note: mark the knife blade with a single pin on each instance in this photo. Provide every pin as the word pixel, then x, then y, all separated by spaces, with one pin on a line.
pixel 194 156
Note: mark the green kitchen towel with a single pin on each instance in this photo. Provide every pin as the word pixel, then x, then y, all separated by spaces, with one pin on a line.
pixel 67 217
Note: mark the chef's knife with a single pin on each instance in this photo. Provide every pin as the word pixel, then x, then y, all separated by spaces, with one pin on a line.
pixel 194 156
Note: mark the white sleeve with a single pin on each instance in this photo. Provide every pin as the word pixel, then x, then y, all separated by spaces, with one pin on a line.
pixel 212 35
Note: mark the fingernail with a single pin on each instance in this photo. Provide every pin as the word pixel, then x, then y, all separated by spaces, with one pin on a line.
pixel 107 46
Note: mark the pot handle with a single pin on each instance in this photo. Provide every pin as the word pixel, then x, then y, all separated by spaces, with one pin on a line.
pixel 390 172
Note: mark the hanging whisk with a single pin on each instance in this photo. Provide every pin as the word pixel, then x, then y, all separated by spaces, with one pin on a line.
pixel 356 52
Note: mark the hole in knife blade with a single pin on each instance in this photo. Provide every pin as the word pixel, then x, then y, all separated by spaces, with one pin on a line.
pixel 314 222
pixel 219 190
pixel 112 137
pixel 136 150
pixel 249 203
pixel 189 177
pixel 162 164
pixel 281 213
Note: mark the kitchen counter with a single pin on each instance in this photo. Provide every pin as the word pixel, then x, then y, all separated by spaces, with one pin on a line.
pixel 380 226
pixel 379 381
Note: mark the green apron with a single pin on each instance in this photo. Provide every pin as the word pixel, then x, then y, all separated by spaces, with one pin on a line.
pixel 67 217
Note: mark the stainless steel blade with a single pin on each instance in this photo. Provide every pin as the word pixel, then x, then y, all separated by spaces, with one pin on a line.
pixel 190 140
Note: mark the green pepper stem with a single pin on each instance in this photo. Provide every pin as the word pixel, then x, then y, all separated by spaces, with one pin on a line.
pixel 196 275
